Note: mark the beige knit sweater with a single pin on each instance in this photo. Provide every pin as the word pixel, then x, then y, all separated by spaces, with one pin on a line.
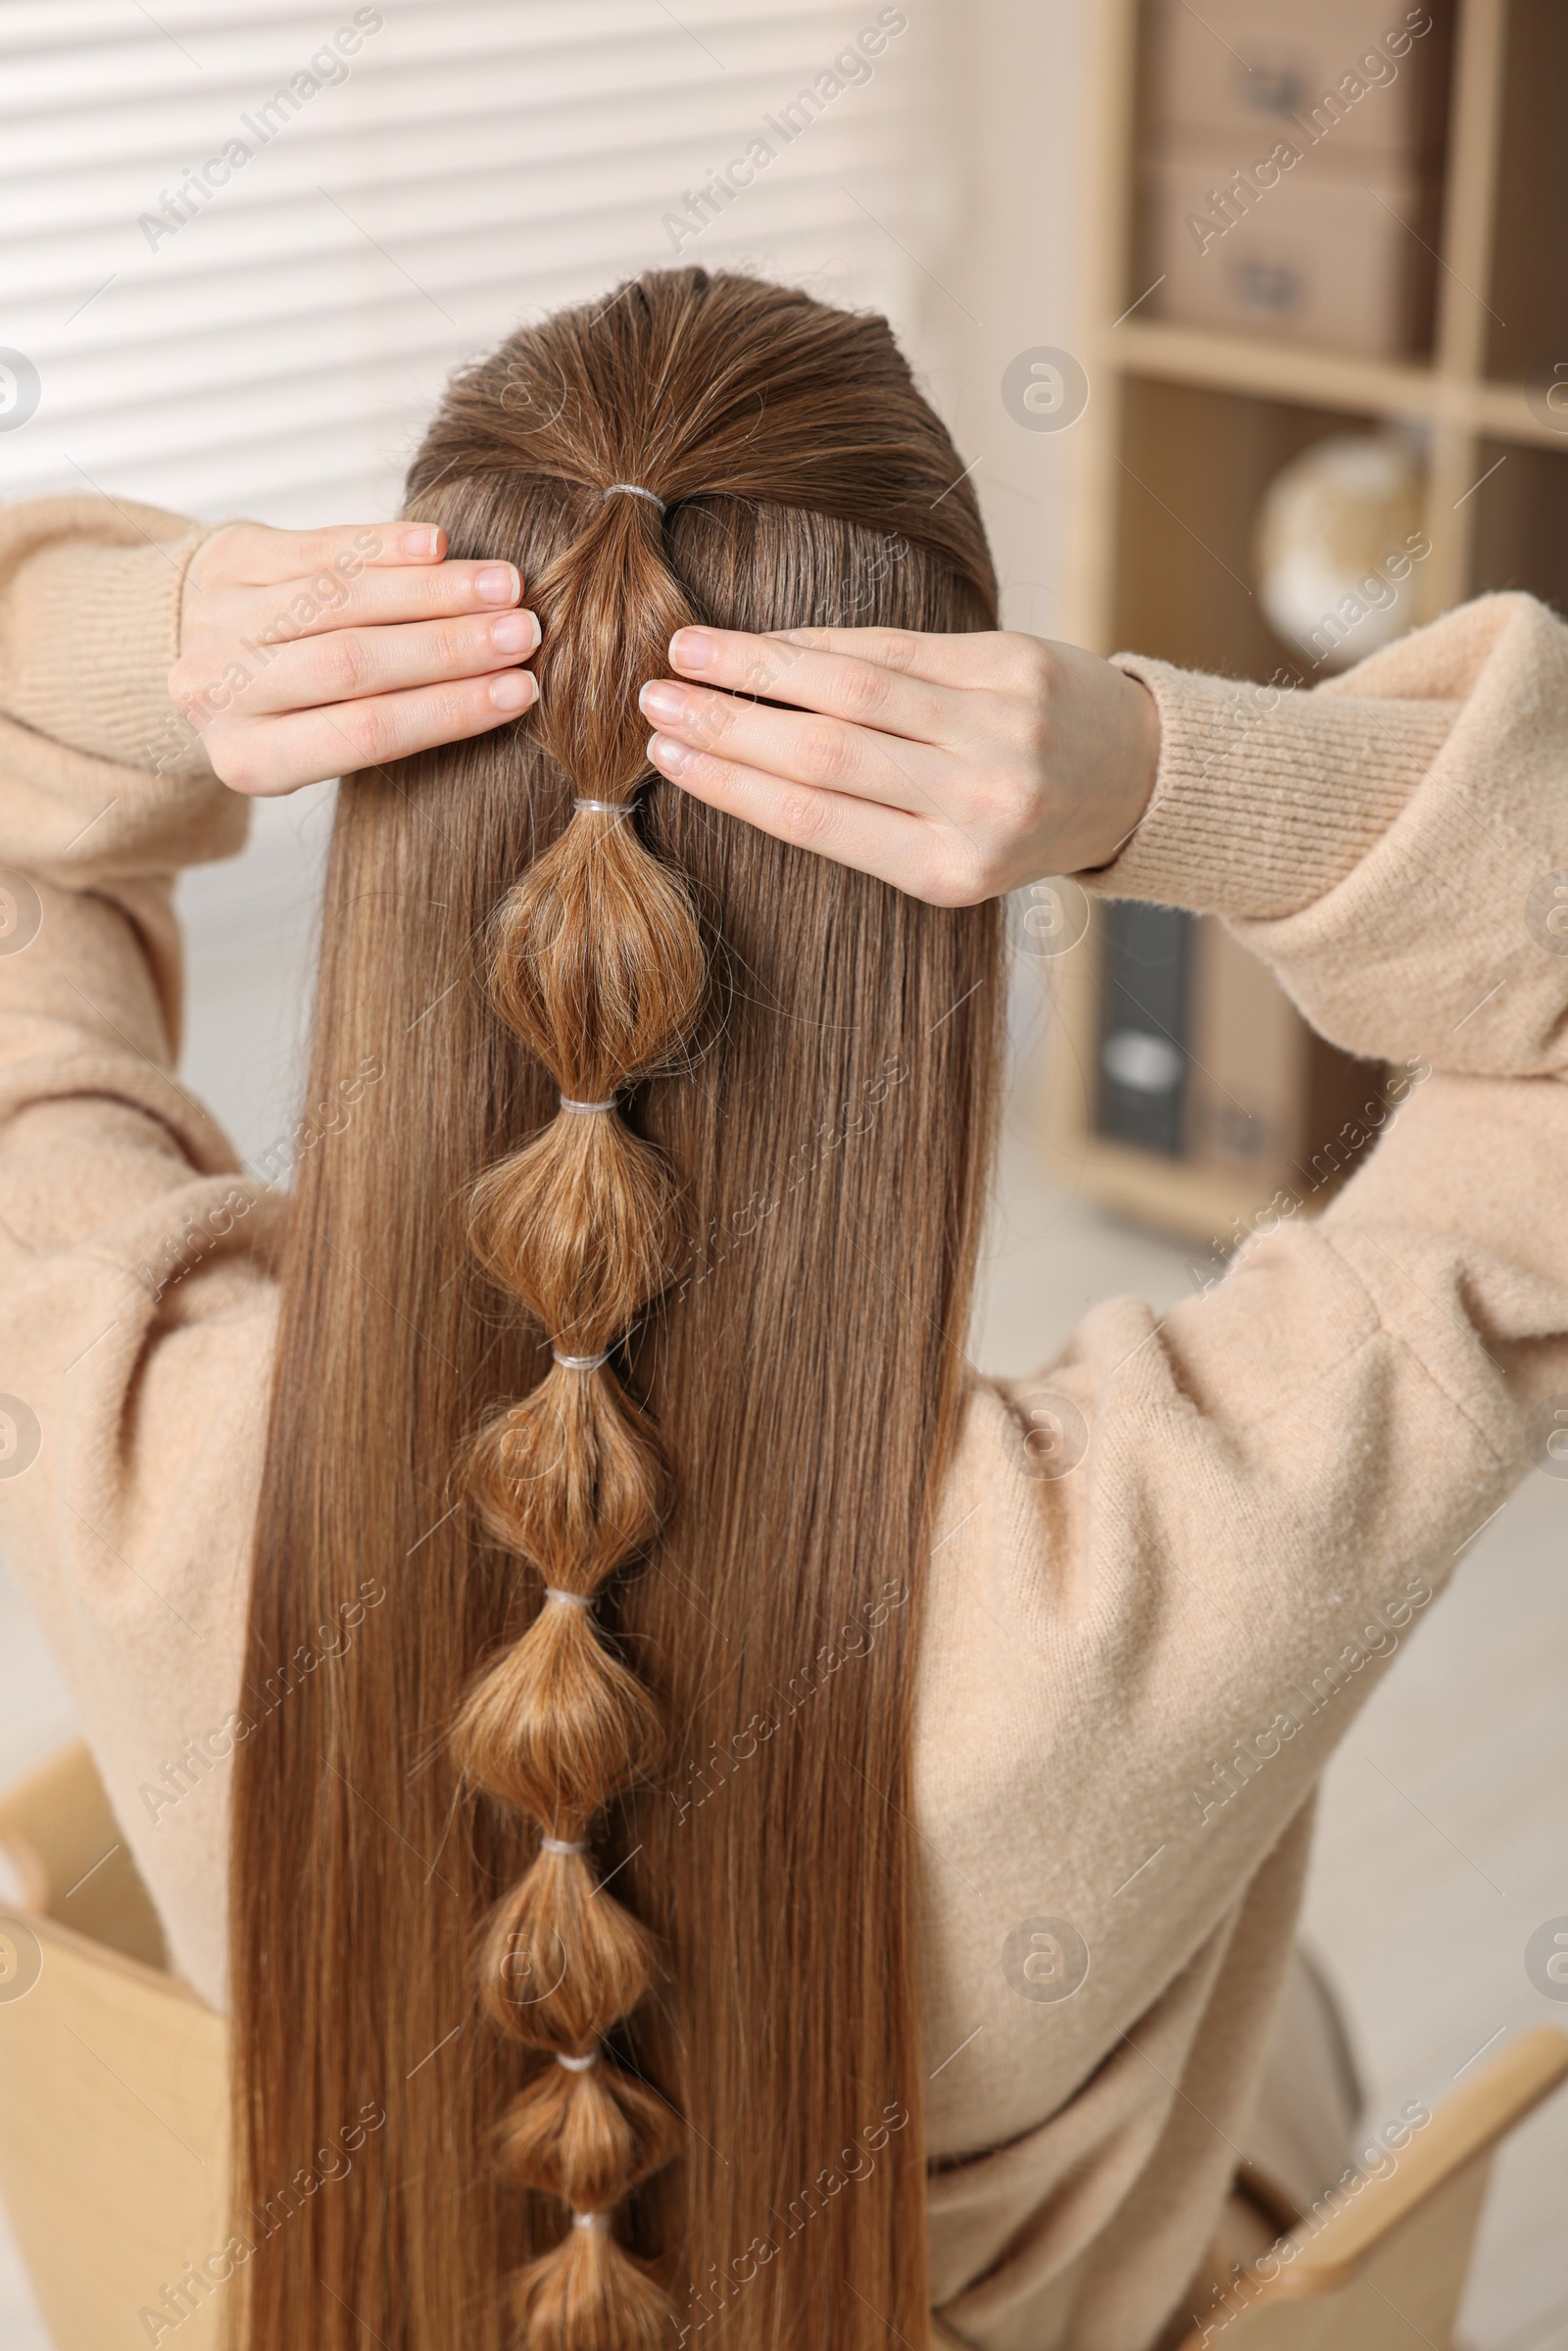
pixel 1131 1676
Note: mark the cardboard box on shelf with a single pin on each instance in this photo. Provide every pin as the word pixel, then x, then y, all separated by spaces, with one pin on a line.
pixel 1358 76
pixel 1292 249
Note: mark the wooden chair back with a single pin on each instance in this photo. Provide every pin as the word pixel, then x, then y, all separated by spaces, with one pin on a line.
pixel 1382 2266
pixel 113 2088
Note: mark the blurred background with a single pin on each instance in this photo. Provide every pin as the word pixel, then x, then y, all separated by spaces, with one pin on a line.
pixel 1252 324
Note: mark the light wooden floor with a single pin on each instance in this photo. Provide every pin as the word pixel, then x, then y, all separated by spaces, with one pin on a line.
pixel 1443 1838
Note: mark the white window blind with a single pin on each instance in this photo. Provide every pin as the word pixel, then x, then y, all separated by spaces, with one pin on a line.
pixel 420 175
pixel 242 246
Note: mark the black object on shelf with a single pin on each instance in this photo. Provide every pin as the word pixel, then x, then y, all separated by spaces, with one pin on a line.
pixel 1141 1082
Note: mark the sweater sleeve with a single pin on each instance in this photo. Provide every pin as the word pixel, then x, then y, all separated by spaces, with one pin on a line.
pixel 1390 842
pixel 1206 1532
pixel 138 1297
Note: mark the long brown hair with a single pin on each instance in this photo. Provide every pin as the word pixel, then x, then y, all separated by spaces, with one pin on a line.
pixel 618 1772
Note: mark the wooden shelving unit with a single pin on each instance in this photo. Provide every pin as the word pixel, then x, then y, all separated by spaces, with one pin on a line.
pixel 1184 429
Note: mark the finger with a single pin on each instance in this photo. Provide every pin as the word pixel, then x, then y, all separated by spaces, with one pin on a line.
pixel 913 856
pixel 310 607
pixel 350 663
pixel 253 555
pixel 1004 661
pixel 799 748
pixel 307 746
pixel 840 685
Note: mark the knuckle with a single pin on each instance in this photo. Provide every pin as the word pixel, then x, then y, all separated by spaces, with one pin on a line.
pixel 233 759
pixel 368 738
pixel 765 668
pixel 958 876
pixel 1006 807
pixel 713 719
pixel 831 755
pixel 897 650
pixel 804 818
pixel 866 692
pixel 221 556
pixel 719 779
pixel 456 644
pixel 1030 668
pixel 342 665
pixel 315 550
pixel 452 587
pixel 463 709
pixel 1032 734
pixel 213 620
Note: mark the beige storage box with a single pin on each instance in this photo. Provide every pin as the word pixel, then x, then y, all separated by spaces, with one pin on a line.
pixel 1292 250
pixel 1358 76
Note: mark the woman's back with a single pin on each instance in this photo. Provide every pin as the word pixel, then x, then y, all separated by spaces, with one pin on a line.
pixel 984 1791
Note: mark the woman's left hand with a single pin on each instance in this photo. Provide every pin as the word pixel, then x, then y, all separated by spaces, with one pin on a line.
pixel 307 653
pixel 956 767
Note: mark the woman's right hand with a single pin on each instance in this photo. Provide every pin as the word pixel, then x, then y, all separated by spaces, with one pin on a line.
pixel 308 654
pixel 956 767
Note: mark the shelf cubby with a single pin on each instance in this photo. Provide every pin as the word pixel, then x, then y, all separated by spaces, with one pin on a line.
pixel 1184 429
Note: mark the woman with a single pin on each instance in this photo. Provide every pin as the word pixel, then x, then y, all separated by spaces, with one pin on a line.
pixel 774 1854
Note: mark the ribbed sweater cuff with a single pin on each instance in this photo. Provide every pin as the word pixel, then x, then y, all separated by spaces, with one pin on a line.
pixel 1265 796
pixel 101 631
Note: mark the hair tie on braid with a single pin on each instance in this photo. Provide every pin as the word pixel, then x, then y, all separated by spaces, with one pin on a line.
pixel 608 807
pixel 578 2065
pixel 583 1108
pixel 568 1600
pixel 564 1844
pixel 634 489
pixel 579 1362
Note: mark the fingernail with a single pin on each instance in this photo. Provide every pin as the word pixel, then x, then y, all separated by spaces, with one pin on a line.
pixel 666 753
pixel 514 690
pixel 663 702
pixel 515 632
pixel 497 583
pixel 692 649
pixel 421 544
